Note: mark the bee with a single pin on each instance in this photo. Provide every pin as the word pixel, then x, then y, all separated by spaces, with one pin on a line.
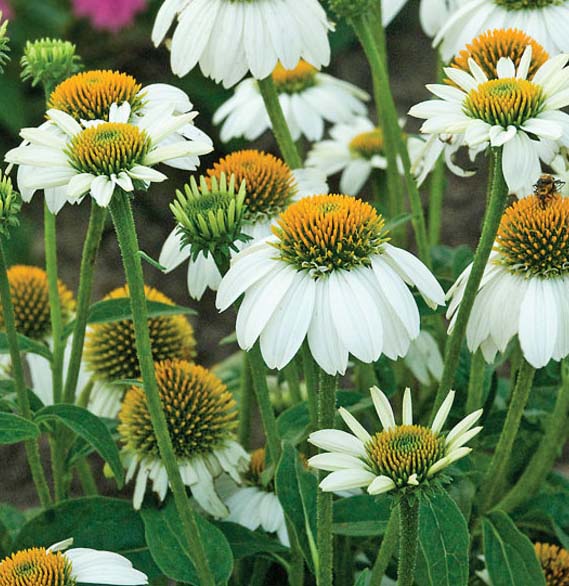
pixel 546 188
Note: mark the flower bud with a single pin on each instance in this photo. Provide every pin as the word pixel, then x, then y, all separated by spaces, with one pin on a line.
pixel 10 205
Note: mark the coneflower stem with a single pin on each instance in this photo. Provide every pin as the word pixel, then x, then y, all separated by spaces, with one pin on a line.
pixel 387 549
pixel 86 274
pixel 408 540
pixel 393 132
pixel 497 196
pixel 498 469
pixel 31 446
pixel 86 478
pixel 259 376
pixel 279 125
pixel 311 381
pixel 245 402
pixel 324 537
pixel 123 220
pixel 548 451
pixel 475 397
pixel 292 378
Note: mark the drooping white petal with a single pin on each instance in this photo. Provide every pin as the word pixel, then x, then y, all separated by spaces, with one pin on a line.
pixel 332 462
pixel 346 480
pixel 380 485
pixel 335 440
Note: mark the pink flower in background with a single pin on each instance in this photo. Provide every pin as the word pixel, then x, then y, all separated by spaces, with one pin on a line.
pixel 110 15
pixel 6 9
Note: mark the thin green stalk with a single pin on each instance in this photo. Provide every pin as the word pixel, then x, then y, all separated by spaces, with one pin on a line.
pixel 311 381
pixel 278 122
pixel 86 478
pixel 343 567
pixel 259 374
pixel 31 446
pixel 292 377
pixel 128 242
pixel 245 402
pixel 498 469
pixel 324 536
pixel 393 131
pixel 260 568
pixel 86 274
pixel 497 196
pixel 408 541
pixel 475 397
pixel 548 451
pixel 387 549
pixel 296 566
pixel 365 377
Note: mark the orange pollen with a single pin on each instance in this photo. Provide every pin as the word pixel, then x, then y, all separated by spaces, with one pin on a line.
pixel 487 49
pixel 257 463
pixel 89 95
pixel 555 563
pixel 292 81
pixel 367 144
pixel 269 181
pixel 36 567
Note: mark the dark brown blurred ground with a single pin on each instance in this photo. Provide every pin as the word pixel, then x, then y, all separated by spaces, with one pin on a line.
pixel 412 64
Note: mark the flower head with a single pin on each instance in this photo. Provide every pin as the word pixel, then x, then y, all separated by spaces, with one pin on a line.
pixel 69 161
pixel 48 61
pixel 264 32
pixel 30 297
pixel 489 47
pixel 519 114
pixel 109 15
pixel 398 456
pixel 308 98
pixel 201 416
pixel 10 205
pixel 554 561
pixel 210 216
pixel 328 273
pixel 39 566
pixel 523 289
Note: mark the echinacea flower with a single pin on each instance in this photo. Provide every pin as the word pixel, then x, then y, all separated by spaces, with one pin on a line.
pixel 546 21
pixel 355 149
pixel 109 15
pixel 110 350
pixel 229 38
pixel 395 458
pixel 521 115
pixel 201 416
pixel 524 290
pixel 254 505
pixel 554 562
pixel 270 185
pixel 47 567
pixel 327 274
pixel 98 159
pixel 308 98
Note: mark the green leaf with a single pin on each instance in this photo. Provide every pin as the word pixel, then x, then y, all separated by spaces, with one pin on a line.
pixel 293 423
pixel 163 535
pixel 110 310
pixel 26 345
pixel 361 515
pixel 14 429
pixel 443 542
pixel 510 556
pixel 363 578
pixel 151 261
pixel 96 522
pixel 245 543
pixel 297 489
pixel 11 521
pixel 91 429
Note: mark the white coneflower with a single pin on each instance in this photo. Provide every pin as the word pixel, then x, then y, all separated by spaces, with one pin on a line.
pixel 201 416
pixel 228 38
pixel 308 99
pixel 327 274
pixel 524 290
pixel 100 158
pixel 520 115
pixel 110 350
pixel 355 149
pixel 397 457
pixel 271 186
pixel 47 567
pixel 546 21
pixel 254 504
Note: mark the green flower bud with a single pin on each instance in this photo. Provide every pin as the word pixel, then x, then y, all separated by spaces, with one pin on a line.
pixel 210 216
pixel 350 8
pixel 49 61
pixel 4 43
pixel 10 205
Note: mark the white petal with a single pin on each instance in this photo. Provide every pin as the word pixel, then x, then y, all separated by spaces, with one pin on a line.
pixel 383 408
pixel 407 407
pixel 332 462
pixel 335 440
pixel 346 480
pixel 380 485
pixel 354 425
pixel 443 412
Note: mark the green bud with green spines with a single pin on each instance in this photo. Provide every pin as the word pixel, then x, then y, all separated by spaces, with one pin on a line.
pixel 10 206
pixel 4 43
